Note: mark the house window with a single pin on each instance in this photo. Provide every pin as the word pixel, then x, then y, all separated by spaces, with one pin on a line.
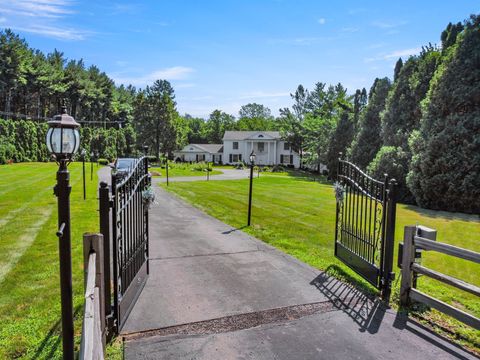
pixel 261 147
pixel 260 136
pixel 286 146
pixel 236 158
pixel 286 159
pixel 235 145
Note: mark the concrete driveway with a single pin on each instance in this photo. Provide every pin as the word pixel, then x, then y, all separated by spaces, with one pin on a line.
pixel 228 174
pixel 215 292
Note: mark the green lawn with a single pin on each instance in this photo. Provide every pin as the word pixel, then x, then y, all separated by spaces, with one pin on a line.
pixel 29 265
pixel 297 215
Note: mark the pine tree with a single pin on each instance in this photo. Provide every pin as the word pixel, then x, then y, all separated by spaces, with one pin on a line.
pixel 342 137
pixel 446 162
pixel 368 140
pixel 398 68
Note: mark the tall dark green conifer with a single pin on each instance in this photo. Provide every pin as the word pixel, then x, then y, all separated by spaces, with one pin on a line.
pixel 368 139
pixel 446 163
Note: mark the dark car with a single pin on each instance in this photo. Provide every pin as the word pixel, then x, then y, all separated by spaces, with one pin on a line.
pixel 123 166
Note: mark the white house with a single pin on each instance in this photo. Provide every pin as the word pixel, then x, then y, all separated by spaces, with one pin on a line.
pixel 200 152
pixel 268 146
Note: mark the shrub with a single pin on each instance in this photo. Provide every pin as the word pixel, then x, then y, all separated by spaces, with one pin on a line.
pixel 103 161
pixel 277 168
pixel 7 152
pixel 393 161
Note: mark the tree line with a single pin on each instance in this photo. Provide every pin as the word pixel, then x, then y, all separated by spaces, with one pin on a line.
pixel 422 127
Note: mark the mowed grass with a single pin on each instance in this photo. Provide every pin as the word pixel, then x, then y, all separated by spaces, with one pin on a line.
pixel 29 264
pixel 297 215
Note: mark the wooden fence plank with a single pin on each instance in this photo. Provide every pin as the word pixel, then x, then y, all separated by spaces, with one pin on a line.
pixel 447 279
pixel 445 308
pixel 447 249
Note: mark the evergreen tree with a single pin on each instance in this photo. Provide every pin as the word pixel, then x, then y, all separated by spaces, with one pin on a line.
pixel 398 68
pixel 368 140
pixel 342 137
pixel 446 161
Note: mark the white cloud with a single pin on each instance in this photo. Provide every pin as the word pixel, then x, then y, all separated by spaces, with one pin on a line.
pixel 388 24
pixel 393 55
pixel 185 85
pixel 350 29
pixel 42 17
pixel 400 53
pixel 53 32
pixel 37 8
pixel 171 73
pixel 322 21
pixel 263 95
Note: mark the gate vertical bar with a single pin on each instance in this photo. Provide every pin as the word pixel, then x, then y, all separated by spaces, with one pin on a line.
pixel 148 182
pixel 388 275
pixel 115 251
pixel 104 208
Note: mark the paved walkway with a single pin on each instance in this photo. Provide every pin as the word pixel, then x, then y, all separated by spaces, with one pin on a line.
pixel 228 174
pixel 216 293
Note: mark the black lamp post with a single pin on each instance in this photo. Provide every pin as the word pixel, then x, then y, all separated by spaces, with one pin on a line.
pixel 63 141
pixel 92 157
pixel 166 167
pixel 252 164
pixel 83 153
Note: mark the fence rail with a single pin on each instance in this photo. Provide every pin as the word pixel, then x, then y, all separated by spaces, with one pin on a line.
pixel 414 241
pixel 93 331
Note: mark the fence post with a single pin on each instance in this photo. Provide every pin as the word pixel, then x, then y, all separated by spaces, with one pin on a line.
pixel 407 261
pixel 104 208
pixel 388 274
pixel 94 243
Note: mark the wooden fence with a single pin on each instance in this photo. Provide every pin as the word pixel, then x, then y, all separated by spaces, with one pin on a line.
pixel 415 240
pixel 93 331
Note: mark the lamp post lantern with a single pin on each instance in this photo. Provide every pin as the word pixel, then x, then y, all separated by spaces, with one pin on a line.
pixel 252 164
pixel 63 141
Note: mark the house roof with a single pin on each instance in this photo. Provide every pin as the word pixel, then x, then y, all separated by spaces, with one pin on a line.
pixel 242 135
pixel 209 148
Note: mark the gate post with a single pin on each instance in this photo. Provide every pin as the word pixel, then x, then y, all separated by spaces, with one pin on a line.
pixel 408 257
pixel 388 274
pixel 337 207
pixel 104 209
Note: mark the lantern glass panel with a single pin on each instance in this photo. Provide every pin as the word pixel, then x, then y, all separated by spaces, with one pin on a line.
pixel 76 134
pixel 49 145
pixel 68 141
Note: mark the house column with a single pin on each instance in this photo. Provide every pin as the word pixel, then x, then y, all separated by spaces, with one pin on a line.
pixel 275 152
pixel 268 153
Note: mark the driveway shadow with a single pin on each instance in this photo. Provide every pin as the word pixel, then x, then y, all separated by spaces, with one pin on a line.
pixel 364 309
pixel 233 230
pixel 368 312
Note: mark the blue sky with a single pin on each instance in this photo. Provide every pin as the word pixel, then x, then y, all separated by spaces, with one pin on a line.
pixel 224 54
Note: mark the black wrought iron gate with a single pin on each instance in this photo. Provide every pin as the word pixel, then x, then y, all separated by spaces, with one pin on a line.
pixel 130 237
pixel 365 225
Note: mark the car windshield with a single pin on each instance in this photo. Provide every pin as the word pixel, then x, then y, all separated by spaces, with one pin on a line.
pixel 124 163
